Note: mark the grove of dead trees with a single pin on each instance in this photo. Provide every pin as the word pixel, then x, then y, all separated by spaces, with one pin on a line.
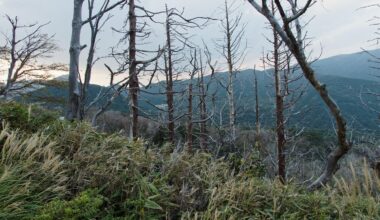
pixel 178 60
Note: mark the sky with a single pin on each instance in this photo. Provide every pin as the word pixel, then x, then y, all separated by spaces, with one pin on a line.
pixel 337 27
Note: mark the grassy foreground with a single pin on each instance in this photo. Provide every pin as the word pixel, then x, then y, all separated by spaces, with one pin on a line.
pixel 59 170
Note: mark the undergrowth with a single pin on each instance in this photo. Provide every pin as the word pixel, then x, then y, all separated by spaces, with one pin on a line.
pixel 70 171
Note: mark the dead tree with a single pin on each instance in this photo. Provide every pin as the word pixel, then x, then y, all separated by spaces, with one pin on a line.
pixel 202 100
pixel 200 66
pixel 112 92
pixel 277 62
pixel 177 40
pixel 96 24
pixel 257 112
pixel 133 77
pixel 233 53
pixel 169 77
pixel 134 60
pixel 75 103
pixel 24 47
pixel 194 64
pixel 294 42
pixel 286 95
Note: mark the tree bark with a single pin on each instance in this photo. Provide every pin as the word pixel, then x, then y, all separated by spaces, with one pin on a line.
pixel 280 126
pixel 89 64
pixel 203 110
pixel 169 81
pixel 75 49
pixel 190 118
pixel 133 82
pixel 230 87
pixel 257 113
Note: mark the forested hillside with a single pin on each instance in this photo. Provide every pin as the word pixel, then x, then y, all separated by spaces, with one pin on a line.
pixel 346 76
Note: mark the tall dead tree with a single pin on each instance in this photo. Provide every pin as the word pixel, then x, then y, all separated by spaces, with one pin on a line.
pixel 292 37
pixel 257 111
pixel 95 21
pixel 75 103
pixel 24 47
pixel 169 77
pixel 194 65
pixel 280 123
pixel 202 104
pixel 231 49
pixel 199 68
pixel 133 78
pixel 133 60
pixel 177 40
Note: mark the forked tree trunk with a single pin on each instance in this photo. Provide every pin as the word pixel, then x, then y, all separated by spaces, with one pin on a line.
pixel 88 72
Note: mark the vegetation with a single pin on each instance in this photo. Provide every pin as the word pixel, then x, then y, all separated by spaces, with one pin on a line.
pixel 193 149
pixel 69 170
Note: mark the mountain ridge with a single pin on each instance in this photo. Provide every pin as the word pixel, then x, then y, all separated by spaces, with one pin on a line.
pixel 343 84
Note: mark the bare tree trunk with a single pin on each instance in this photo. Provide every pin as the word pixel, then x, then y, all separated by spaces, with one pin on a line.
pixel 75 49
pixel 202 110
pixel 230 87
pixel 190 117
pixel 257 112
pixel 280 126
pixel 133 78
pixel 169 81
pixel 77 88
pixel 344 145
pixel 90 60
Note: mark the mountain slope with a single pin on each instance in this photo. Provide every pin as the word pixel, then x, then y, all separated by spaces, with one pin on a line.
pixel 356 65
pixel 345 76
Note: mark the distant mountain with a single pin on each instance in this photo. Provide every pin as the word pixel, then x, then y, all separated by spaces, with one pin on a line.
pixel 62 78
pixel 345 76
pixel 356 65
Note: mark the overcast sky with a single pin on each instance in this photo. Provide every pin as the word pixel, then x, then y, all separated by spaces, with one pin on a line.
pixel 338 27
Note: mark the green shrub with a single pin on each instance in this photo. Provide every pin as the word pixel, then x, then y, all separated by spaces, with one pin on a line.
pixel 15 114
pixel 29 118
pixel 87 205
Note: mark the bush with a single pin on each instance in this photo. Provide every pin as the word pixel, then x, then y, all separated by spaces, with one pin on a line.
pixel 27 118
pixel 87 205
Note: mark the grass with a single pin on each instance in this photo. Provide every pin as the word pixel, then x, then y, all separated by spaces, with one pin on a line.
pixel 71 171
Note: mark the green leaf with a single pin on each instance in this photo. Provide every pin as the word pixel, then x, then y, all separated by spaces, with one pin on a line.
pixel 152 205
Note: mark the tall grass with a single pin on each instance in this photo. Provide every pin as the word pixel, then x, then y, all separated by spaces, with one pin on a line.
pixel 71 171
pixel 30 173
